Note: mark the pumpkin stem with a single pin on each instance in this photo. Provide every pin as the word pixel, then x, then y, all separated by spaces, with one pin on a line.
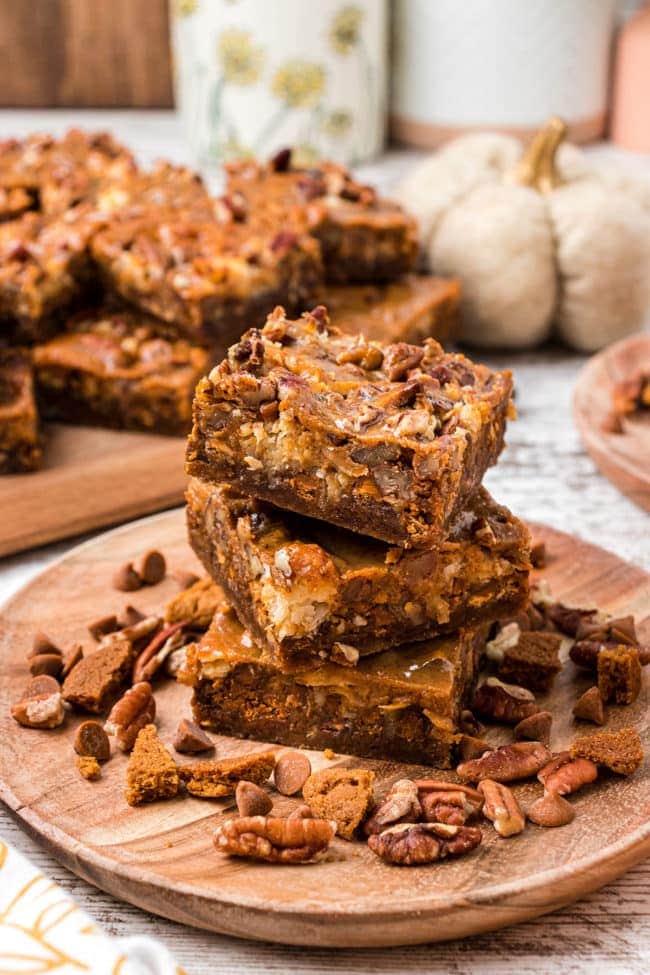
pixel 536 168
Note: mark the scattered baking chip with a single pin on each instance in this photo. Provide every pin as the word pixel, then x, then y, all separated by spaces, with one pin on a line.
pixel 589 707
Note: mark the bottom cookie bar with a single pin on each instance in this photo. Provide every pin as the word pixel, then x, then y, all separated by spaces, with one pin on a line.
pixel 403 704
pixel 20 443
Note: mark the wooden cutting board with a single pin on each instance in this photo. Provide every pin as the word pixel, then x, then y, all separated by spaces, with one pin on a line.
pixel 90 478
pixel 623 458
pixel 160 857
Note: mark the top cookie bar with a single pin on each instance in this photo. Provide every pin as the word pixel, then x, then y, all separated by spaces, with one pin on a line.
pixel 385 440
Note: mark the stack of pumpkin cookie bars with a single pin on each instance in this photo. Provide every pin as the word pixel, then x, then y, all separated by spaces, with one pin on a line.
pixel 336 498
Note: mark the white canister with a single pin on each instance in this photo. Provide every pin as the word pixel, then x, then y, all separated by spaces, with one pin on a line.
pixel 253 76
pixel 462 65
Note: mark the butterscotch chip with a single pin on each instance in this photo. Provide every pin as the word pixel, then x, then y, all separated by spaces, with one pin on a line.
pixel 619 674
pixel 340 794
pixel 103 625
pixel 252 800
pixel 46 663
pixel 126 579
pixel 212 780
pixel 551 811
pixel 152 567
pixel 100 675
pixel 470 747
pixel 89 767
pixel 535 728
pixel 71 658
pixel 42 644
pixel 151 773
pixel 292 770
pixel 185 579
pixel 190 738
pixel 43 684
pixel 589 707
pixel 130 616
pixel 538 553
pixel 92 741
pixel 197 605
pixel 621 751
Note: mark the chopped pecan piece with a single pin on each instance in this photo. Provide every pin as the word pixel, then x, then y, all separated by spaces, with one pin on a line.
pixel 503 702
pixel 619 674
pixel 41 711
pixel 454 806
pixel 616 629
pixel 409 844
pixel 293 840
pixel 585 653
pixel 589 707
pixel 401 805
pixel 506 764
pixel 502 808
pixel 135 710
pixel 154 655
pixel 568 618
pixel 565 775
pixel 621 751
pixel 535 728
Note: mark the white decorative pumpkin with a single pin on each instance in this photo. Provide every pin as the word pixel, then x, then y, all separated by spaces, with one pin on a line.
pixel 542 242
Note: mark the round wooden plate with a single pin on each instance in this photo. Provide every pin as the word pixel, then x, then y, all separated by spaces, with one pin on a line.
pixel 161 858
pixel 623 458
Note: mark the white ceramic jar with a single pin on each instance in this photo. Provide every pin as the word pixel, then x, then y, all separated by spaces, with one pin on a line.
pixel 253 76
pixel 461 65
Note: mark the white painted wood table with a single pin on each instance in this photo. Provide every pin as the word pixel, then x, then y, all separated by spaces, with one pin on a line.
pixel 544 475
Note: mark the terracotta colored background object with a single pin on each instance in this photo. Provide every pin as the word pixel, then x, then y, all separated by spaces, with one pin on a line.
pixel 623 458
pixel 630 125
pixel 160 857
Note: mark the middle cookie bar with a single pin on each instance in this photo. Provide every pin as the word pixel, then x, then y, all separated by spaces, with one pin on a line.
pixel 306 589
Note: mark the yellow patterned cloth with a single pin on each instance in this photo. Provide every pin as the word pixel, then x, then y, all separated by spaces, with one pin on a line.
pixel 42 930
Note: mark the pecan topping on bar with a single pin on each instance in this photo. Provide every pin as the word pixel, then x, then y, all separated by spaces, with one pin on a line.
pixel 410 844
pixel 293 840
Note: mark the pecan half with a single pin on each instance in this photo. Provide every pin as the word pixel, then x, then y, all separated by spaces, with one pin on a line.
pixel 133 711
pixel 551 811
pixel 400 358
pixel 565 775
pixel 400 805
pixel 296 840
pixel 40 711
pixel 502 808
pixel 155 653
pixel 503 702
pixel 568 618
pixel 506 764
pixel 454 807
pixel 409 844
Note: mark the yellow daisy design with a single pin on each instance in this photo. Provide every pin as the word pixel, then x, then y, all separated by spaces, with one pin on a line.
pixel 299 84
pixel 346 29
pixel 241 61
